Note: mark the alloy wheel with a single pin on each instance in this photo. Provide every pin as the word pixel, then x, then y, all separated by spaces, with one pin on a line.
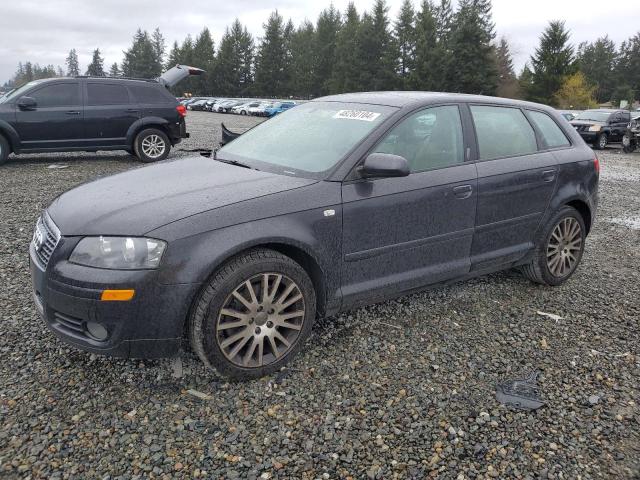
pixel 260 320
pixel 153 146
pixel 602 141
pixel 564 247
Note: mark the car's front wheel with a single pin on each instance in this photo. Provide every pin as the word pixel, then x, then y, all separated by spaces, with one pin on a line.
pixel 601 141
pixel 559 249
pixel 254 315
pixel 151 145
pixel 4 149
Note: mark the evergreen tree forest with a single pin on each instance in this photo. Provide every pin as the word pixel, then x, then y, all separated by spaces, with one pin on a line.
pixel 430 45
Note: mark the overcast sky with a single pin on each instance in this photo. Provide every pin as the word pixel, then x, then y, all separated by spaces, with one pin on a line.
pixel 43 32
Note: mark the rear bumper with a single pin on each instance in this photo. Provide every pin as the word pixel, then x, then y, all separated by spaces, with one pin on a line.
pixel 178 131
pixel 148 326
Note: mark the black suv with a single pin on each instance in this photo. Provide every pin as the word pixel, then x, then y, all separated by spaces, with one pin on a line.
pixel 94 113
pixel 602 126
pixel 339 202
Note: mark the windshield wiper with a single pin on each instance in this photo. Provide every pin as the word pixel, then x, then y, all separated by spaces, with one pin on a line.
pixel 231 162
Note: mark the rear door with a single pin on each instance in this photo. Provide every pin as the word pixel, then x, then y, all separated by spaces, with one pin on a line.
pixel 516 179
pixel 57 120
pixel 403 233
pixel 109 112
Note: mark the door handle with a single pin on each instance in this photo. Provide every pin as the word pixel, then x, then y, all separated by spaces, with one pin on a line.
pixel 132 110
pixel 72 112
pixel 549 175
pixel 463 191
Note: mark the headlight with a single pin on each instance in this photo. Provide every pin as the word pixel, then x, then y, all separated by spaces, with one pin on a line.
pixel 118 253
pixel 595 128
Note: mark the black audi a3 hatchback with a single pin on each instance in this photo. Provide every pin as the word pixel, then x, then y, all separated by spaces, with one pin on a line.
pixel 340 202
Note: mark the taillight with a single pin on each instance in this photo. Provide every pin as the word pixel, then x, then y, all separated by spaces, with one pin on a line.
pixel 182 110
pixel 596 165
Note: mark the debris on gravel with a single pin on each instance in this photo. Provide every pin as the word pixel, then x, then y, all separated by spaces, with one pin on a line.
pixel 401 389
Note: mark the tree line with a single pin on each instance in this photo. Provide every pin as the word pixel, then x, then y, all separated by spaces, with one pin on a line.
pixel 433 47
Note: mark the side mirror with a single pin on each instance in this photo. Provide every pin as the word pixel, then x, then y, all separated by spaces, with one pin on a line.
pixel 381 165
pixel 27 103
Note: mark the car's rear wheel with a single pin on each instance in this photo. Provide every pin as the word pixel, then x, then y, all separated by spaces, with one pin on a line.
pixel 628 145
pixel 152 145
pixel 4 149
pixel 559 249
pixel 601 141
pixel 254 315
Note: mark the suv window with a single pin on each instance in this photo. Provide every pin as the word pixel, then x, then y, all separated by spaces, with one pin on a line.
pixel 57 95
pixel 148 94
pixel 552 135
pixel 502 132
pixel 106 94
pixel 428 139
pixel 626 117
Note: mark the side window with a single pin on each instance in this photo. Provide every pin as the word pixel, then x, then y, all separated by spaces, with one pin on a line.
pixel 58 95
pixel 106 94
pixel 148 94
pixel 502 132
pixel 552 135
pixel 626 117
pixel 428 139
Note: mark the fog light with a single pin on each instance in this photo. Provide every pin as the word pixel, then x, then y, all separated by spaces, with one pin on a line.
pixel 97 331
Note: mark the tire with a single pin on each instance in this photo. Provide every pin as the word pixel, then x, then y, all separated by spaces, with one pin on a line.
pixel 4 150
pixel 151 145
pixel 243 358
pixel 555 269
pixel 243 112
pixel 628 144
pixel 601 141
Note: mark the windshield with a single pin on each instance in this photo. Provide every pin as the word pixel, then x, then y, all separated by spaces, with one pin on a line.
pixel 308 139
pixel 594 115
pixel 19 91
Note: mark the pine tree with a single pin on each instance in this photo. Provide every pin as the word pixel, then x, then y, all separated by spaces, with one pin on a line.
pixel 471 47
pixel 233 69
pixel 159 47
pixel 271 61
pixel 597 61
pixel 327 29
pixel 203 57
pixel 425 74
pixel 552 62
pixel 303 60
pixel 628 69
pixel 346 72
pixel 73 66
pixel 244 48
pixel 406 40
pixel 96 67
pixel 141 59
pixel 508 85
pixel 114 71
pixel 377 50
pixel 174 56
pixel 443 70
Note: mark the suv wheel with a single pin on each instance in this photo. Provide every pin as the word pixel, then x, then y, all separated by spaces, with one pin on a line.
pixel 601 141
pixel 4 150
pixel 559 249
pixel 254 315
pixel 628 145
pixel 152 145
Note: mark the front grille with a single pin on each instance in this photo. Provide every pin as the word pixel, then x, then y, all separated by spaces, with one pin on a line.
pixel 70 325
pixel 45 239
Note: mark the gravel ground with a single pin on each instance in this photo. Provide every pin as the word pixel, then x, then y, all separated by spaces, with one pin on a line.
pixel 402 389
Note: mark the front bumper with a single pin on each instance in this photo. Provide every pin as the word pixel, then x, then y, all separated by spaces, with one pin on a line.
pixel 151 325
pixel 589 137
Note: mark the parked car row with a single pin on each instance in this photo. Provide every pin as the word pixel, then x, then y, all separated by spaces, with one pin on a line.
pixel 238 106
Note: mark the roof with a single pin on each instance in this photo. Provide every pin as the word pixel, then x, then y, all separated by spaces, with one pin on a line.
pixel 405 98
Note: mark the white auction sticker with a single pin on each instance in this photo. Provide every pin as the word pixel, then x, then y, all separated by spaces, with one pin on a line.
pixel 357 115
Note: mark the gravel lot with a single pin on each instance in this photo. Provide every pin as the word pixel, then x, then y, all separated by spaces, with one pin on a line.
pixel 403 389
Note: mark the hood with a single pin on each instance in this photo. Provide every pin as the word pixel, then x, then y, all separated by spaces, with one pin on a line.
pixel 140 200
pixel 577 123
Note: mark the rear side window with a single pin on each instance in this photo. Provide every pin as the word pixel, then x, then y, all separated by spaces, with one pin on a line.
pixel 106 94
pixel 552 135
pixel 150 95
pixel 58 95
pixel 502 132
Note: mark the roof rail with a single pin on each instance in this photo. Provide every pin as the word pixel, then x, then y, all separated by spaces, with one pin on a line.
pixel 152 80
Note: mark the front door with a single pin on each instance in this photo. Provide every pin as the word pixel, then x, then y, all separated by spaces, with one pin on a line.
pixel 403 233
pixel 56 122
pixel 109 112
